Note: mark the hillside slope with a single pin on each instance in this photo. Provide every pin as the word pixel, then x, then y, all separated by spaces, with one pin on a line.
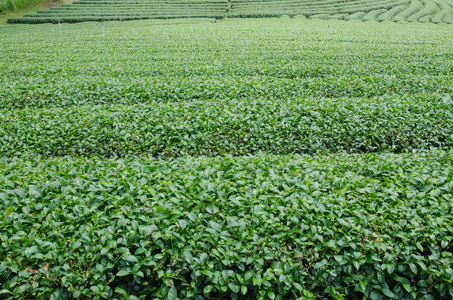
pixel 435 11
pixel 117 10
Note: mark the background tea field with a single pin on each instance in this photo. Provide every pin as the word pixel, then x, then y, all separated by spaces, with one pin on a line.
pixel 435 11
pixel 255 158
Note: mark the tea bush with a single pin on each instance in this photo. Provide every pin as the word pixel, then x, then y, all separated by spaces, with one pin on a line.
pixel 269 227
pixel 160 159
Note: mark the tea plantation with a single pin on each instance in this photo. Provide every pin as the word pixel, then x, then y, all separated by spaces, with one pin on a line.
pixel 244 159
pixel 435 11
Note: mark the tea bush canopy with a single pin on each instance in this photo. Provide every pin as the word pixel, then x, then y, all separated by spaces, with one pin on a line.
pixel 263 158
pixel 436 11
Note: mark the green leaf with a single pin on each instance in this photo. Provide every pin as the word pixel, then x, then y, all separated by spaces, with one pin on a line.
pixel 130 258
pixel 320 264
pixel 76 294
pixel 9 210
pixel 235 288
pixel 362 286
pixel 407 285
pixel 207 289
pixel 215 226
pixel 419 246
pixel 413 268
pixel 30 251
pixel 120 291
pixel 298 286
pixel 21 289
pixel 244 290
pixel 123 273
pixel 388 293
pixel 139 274
pixel 76 245
pixel 172 294
pixel 422 266
pixel 390 268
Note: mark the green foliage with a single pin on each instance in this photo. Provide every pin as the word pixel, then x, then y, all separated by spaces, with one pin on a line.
pixel 378 226
pixel 412 10
pixel 230 127
pixel 386 16
pixel 86 11
pixel 259 225
pixel 37 19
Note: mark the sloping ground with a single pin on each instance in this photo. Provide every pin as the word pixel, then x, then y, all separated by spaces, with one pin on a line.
pixel 117 10
pixel 436 11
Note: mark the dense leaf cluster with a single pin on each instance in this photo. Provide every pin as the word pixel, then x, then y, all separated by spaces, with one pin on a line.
pixel 267 224
pixel 105 18
pixel 231 127
pixel 264 227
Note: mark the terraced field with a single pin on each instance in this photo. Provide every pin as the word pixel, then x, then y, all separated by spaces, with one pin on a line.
pixel 117 10
pixel 435 11
pixel 255 159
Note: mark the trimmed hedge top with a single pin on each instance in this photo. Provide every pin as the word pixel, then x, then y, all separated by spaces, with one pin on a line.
pixel 264 227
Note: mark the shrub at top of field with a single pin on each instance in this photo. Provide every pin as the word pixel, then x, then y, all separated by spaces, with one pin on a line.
pixel 264 227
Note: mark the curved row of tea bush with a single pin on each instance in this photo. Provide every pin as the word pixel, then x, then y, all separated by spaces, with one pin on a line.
pixel 118 14
pixel 231 127
pixel 16 93
pixel 263 227
pixel 104 18
pixel 304 51
pixel 85 11
pixel 439 11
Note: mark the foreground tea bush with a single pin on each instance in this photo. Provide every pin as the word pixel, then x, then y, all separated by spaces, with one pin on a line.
pixel 231 127
pixel 55 91
pixel 378 226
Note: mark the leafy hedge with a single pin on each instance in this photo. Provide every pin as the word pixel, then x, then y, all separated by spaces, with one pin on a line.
pixel 118 14
pixel 231 127
pixel 266 227
pixel 78 19
pixel 89 90
pixel 87 11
